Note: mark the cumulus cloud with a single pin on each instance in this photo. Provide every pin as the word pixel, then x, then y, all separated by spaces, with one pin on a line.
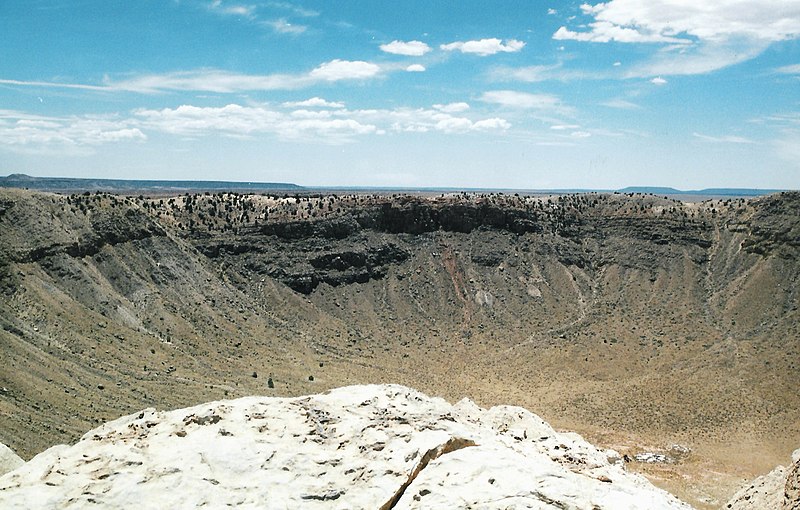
pixel 605 32
pixel 669 20
pixel 485 47
pixel 409 48
pixel 314 102
pixel 658 80
pixel 237 120
pixel 329 126
pixel 314 120
pixel 74 135
pixel 336 70
pixel 698 37
pixel 452 107
pixel 416 68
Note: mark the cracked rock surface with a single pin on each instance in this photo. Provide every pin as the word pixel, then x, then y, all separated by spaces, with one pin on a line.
pixel 377 446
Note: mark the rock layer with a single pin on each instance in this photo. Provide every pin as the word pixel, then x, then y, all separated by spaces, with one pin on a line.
pixel 373 446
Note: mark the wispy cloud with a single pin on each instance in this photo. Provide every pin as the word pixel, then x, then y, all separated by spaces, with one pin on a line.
pixel 485 47
pixel 46 84
pixel 218 81
pixel 294 9
pixel 283 26
pixel 790 69
pixel 232 9
pixel 540 73
pixel 621 104
pixel 408 48
pixel 723 139
pixel 523 100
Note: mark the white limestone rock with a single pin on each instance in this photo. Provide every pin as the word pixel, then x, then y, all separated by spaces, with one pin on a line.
pixel 764 492
pixel 373 446
pixel 9 460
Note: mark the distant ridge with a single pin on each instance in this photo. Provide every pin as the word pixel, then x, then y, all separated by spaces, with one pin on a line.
pixel 72 184
pixel 724 192
pixel 75 185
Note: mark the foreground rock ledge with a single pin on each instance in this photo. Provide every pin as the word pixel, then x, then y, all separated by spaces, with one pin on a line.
pixel 379 447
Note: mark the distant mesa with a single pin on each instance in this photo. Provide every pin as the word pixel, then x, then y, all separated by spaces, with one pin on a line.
pixel 75 185
pixel 72 185
pixel 706 192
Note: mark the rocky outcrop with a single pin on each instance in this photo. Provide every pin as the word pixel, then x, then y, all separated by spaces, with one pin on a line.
pixel 778 489
pixel 774 228
pixel 791 492
pixel 9 460
pixel 354 447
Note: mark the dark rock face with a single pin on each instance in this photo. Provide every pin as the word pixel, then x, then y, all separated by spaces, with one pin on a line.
pixel 774 228
pixel 304 254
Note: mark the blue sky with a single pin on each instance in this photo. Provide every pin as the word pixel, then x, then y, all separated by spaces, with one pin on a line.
pixel 515 94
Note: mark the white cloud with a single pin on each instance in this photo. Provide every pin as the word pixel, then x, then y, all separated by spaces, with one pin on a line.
pixel 702 36
pixel 336 70
pixel 723 139
pixel 314 120
pixel 485 47
pixel 416 68
pixel 77 86
pixel 539 73
pixel 658 80
pixel 603 32
pixel 245 11
pixel 73 135
pixel 209 80
pixel 410 48
pixel 314 102
pixel 617 64
pixel 327 126
pixel 523 100
pixel 491 124
pixel 621 104
pixel 237 120
pixel 686 20
pixel 580 134
pixel 294 9
pixel 452 107
pixel 552 12
pixel 790 69
pixel 564 127
pixel 283 26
